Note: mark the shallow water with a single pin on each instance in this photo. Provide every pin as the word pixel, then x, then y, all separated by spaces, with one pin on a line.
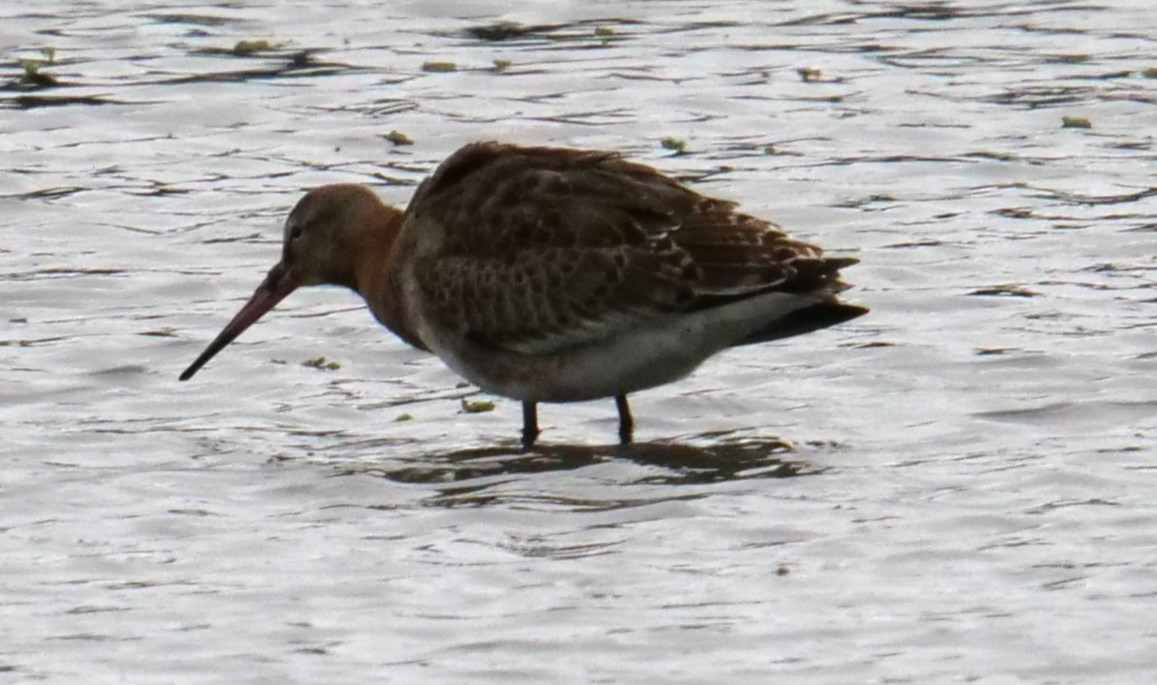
pixel 956 488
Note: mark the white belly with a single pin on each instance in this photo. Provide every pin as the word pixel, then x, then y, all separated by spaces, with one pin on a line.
pixel 625 361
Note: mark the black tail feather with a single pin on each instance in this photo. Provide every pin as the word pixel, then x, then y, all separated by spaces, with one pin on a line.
pixel 806 320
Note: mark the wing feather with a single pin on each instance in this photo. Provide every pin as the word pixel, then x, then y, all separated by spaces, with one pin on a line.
pixel 542 249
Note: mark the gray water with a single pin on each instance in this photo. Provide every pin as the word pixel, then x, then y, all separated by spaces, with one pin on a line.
pixel 956 488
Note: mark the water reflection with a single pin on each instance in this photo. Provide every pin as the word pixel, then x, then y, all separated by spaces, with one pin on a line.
pixel 472 476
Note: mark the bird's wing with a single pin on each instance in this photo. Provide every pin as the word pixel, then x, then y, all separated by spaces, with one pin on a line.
pixel 536 250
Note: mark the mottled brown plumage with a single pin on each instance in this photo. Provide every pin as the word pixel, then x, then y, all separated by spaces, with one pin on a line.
pixel 551 274
pixel 577 241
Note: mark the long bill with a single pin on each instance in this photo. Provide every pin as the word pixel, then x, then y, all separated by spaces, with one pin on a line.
pixel 275 288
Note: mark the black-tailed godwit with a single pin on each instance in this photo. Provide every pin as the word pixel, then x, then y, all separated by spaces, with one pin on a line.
pixel 556 275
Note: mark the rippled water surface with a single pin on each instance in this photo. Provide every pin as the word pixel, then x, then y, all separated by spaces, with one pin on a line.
pixel 956 488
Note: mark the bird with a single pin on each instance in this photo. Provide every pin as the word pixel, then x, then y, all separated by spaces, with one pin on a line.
pixel 552 274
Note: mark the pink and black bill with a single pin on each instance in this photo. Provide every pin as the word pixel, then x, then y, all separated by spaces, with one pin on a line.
pixel 278 284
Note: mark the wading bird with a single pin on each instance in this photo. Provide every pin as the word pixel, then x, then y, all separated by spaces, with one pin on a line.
pixel 556 275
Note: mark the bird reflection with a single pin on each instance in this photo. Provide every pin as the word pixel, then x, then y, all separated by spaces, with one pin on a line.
pixel 474 476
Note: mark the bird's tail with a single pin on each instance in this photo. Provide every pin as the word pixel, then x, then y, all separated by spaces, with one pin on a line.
pixel 805 320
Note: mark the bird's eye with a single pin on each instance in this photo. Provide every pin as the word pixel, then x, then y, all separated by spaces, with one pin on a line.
pixel 295 231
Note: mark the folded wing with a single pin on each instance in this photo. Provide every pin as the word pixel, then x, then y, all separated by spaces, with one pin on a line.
pixel 543 249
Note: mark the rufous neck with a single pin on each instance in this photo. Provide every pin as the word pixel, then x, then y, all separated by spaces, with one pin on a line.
pixel 376 277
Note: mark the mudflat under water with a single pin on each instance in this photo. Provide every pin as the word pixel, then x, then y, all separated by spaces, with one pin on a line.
pixel 956 488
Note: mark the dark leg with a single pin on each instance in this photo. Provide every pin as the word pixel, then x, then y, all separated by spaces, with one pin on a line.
pixel 529 424
pixel 626 423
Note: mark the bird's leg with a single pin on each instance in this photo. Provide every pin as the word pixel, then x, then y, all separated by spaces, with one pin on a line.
pixel 529 424
pixel 626 423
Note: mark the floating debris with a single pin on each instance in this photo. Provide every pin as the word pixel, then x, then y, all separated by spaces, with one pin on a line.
pixel 503 30
pixel 997 156
pixel 439 67
pixel 462 384
pixel 1151 72
pixel 677 144
pixel 1005 290
pixel 772 149
pixel 398 138
pixel 165 332
pixel 404 417
pixel 1014 212
pixel 321 363
pixel 810 74
pixel 604 31
pixel 248 48
pixel 34 101
pixel 1075 122
pixel 861 202
pixel 29 342
pixel 301 58
pixel 500 65
pixel 476 406
pixel 994 351
pixel 32 77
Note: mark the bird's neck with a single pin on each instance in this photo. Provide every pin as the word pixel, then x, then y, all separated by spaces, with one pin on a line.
pixel 376 278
